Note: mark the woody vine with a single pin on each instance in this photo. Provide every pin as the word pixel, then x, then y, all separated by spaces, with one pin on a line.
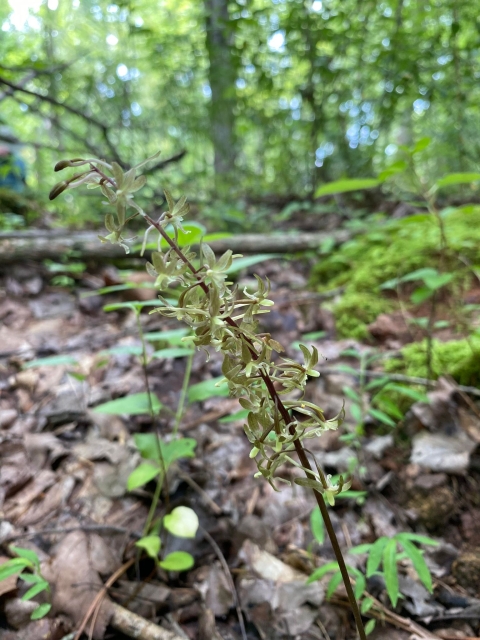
pixel 224 318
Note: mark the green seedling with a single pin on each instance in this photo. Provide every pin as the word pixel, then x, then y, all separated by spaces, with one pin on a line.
pixel 26 565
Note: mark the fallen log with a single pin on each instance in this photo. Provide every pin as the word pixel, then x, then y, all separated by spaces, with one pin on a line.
pixel 38 245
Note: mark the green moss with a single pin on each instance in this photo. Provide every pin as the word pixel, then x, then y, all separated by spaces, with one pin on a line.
pixel 391 250
pixel 355 311
pixel 458 358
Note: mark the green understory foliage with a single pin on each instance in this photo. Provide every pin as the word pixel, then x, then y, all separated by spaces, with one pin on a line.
pixel 391 250
pixel 457 358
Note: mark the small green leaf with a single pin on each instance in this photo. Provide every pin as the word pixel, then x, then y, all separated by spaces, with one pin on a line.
pixel 375 555
pixel 417 537
pixel 121 350
pixel 457 178
pixel 342 186
pixel 182 522
pixel 370 626
pixel 421 294
pixel 41 611
pixel 173 337
pixel 418 562
pixel 28 554
pixel 352 394
pixel 421 145
pixel 408 391
pixel 133 405
pixel 360 548
pixel 367 604
pixel 248 261
pixel 381 417
pixel 390 570
pixel 141 475
pixel 317 525
pixel 149 444
pixel 234 417
pixel 35 590
pixel 151 544
pixel 173 352
pixel 31 578
pixel 333 583
pixel 11 567
pixel 438 280
pixel 360 585
pixel 177 561
pixel 207 389
pixel 50 362
pixel 321 571
pixel 356 412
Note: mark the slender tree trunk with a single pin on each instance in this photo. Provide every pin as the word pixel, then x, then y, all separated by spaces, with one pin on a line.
pixel 222 76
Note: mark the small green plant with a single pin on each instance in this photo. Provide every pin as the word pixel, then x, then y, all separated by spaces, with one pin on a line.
pixel 27 565
pixel 181 522
pixel 384 552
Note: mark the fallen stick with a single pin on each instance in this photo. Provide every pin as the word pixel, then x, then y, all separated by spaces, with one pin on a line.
pixel 134 626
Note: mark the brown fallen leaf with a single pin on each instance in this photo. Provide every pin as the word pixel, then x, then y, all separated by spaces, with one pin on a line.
pixel 73 573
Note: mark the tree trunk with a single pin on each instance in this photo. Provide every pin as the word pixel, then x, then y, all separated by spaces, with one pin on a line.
pixel 222 76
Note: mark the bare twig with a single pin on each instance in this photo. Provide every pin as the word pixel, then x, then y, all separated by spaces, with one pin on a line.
pixel 76 112
pixel 134 626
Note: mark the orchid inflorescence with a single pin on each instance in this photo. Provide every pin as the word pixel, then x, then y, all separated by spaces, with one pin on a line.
pixel 222 317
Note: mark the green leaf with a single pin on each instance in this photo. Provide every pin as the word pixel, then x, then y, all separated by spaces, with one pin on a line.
pixel 137 305
pixel 352 394
pixel 182 522
pixel 132 349
pixel 173 337
pixel 382 417
pixel 321 571
pixel 41 611
pixel 35 590
pixel 457 178
pixel 408 391
pixel 234 417
pixel 31 578
pixel 11 567
pixel 342 186
pixel 370 626
pixel 134 405
pixel 367 604
pixel 207 389
pixel 421 145
pixel 148 444
pixel 173 352
pixel 248 261
pixel 360 548
pixel 356 412
pixel 439 280
pixel 151 544
pixel 50 362
pixel 417 537
pixel 360 585
pixel 421 294
pixel 317 525
pixel 177 561
pixel 333 583
pixel 418 562
pixel 28 554
pixel 375 555
pixel 390 570
pixel 141 475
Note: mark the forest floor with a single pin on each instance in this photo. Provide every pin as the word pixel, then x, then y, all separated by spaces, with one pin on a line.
pixel 64 471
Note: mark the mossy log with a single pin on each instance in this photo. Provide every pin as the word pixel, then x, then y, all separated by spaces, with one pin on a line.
pixel 37 245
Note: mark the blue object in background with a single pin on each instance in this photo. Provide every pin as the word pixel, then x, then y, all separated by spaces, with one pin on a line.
pixel 13 173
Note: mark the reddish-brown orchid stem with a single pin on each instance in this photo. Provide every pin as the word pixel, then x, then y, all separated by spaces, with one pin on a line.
pixel 302 456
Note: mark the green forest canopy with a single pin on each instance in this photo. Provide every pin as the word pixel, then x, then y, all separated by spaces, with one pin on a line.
pixel 263 96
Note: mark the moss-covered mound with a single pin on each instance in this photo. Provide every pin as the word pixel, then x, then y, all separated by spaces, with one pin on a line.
pixel 387 251
pixel 458 358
